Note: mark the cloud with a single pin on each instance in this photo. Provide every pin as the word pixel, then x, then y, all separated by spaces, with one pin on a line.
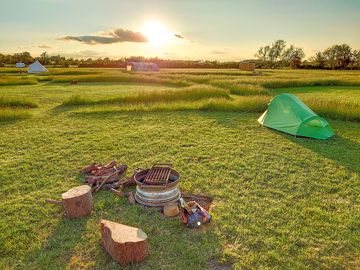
pixel 218 52
pixel 44 47
pixel 178 35
pixel 109 37
pixel 83 54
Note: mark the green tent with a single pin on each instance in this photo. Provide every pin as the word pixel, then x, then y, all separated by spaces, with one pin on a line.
pixel 287 113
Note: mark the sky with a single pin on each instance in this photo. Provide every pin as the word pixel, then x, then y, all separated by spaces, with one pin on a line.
pixel 175 29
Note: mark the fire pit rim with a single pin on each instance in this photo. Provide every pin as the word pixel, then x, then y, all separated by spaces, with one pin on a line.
pixel 142 174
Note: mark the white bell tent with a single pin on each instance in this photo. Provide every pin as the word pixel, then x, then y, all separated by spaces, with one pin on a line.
pixel 36 67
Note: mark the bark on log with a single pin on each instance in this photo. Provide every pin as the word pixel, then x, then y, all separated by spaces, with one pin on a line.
pixel 125 244
pixel 77 201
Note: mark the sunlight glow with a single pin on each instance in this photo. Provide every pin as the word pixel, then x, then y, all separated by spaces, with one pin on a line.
pixel 157 34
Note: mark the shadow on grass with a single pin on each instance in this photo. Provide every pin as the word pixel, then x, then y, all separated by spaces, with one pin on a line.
pixel 343 151
pixel 13 120
pixel 62 109
pixel 57 249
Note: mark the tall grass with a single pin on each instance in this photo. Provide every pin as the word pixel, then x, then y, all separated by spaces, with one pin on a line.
pixel 286 83
pixel 16 102
pixel 243 89
pixel 14 80
pixel 123 77
pixel 334 108
pixel 192 93
pixel 7 114
pixel 240 104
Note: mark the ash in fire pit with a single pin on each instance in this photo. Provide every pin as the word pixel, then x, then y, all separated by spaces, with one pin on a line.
pixel 157 186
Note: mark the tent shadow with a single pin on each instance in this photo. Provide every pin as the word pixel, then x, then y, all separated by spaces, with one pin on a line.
pixel 343 151
pixel 57 249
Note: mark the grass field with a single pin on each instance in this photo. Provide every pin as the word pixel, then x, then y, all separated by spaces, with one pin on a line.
pixel 281 202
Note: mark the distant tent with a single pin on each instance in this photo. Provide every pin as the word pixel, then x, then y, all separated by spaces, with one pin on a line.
pixel 141 66
pixel 36 67
pixel 20 65
pixel 287 113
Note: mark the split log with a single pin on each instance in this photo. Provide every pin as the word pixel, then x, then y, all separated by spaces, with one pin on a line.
pixel 119 193
pixel 77 201
pixel 90 168
pixel 130 181
pixel 125 244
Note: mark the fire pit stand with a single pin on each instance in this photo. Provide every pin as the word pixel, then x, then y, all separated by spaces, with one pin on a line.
pixel 157 186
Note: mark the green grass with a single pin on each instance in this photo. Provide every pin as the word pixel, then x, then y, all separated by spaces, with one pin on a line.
pixel 7 114
pixel 281 202
pixel 17 80
pixel 16 102
pixel 192 93
pixel 334 108
pixel 243 104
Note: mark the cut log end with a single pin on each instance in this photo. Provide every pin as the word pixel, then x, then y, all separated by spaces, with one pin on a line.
pixel 78 201
pixel 125 244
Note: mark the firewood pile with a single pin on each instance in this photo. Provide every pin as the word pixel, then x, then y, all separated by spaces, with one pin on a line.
pixel 109 176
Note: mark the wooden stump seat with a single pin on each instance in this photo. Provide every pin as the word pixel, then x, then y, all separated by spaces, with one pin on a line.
pixel 125 244
pixel 77 201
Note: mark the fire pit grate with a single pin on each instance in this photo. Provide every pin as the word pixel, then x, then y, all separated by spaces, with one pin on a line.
pixel 158 175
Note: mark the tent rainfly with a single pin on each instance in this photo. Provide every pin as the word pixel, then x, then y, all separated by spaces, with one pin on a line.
pixel 141 66
pixel 20 65
pixel 287 113
pixel 36 67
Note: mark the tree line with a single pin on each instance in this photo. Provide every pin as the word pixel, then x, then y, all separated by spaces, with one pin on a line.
pixel 62 61
pixel 278 55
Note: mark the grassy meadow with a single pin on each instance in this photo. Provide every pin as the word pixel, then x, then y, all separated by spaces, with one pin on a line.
pixel 281 202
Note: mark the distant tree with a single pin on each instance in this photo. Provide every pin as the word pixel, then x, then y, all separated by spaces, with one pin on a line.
pixel 355 59
pixel 44 58
pixel 319 60
pixel 330 56
pixel 338 56
pixel 275 52
pixel 263 53
pixel 277 55
pixel 344 55
pixel 292 57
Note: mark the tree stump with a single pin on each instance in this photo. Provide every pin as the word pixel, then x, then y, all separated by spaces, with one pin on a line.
pixel 77 201
pixel 125 244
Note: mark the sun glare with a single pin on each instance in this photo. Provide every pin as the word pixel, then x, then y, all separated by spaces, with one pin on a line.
pixel 157 34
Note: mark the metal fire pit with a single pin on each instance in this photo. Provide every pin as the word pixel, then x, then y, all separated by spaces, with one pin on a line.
pixel 157 186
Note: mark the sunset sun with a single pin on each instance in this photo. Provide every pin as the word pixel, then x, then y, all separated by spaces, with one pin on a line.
pixel 157 33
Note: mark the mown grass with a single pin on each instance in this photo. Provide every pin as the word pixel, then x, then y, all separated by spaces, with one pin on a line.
pixel 192 93
pixel 280 202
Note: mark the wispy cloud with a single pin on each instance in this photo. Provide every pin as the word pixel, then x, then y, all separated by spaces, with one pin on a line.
pixel 109 37
pixel 178 35
pixel 83 54
pixel 218 52
pixel 44 47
